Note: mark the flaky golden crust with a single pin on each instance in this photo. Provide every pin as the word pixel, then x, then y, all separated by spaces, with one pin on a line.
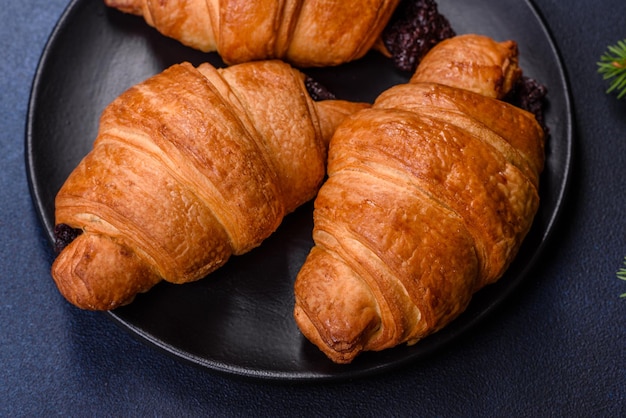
pixel 188 168
pixel 429 196
pixel 482 65
pixel 305 33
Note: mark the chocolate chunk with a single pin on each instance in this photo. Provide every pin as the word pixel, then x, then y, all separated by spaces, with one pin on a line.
pixel 415 27
pixel 317 91
pixel 530 95
pixel 64 235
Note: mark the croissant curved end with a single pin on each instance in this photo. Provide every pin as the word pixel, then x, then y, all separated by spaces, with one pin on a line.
pixel 126 6
pixel 337 313
pixel 472 62
pixel 96 273
pixel 340 353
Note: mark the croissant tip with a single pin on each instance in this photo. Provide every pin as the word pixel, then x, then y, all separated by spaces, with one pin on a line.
pixel 96 273
pixel 330 340
pixel 126 6
pixel 77 291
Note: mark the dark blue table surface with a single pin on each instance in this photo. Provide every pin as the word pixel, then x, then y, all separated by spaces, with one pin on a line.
pixel 557 347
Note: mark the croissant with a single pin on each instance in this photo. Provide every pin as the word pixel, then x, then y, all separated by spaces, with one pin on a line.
pixel 188 168
pixel 428 198
pixel 306 33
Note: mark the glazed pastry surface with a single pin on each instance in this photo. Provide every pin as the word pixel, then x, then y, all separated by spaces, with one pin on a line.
pixel 188 168
pixel 429 196
pixel 305 33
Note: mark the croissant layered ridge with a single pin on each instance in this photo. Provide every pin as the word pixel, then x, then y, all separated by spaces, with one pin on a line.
pixel 481 65
pixel 188 168
pixel 429 196
pixel 305 33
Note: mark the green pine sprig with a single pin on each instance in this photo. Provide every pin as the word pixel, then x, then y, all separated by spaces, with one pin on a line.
pixel 612 66
pixel 621 274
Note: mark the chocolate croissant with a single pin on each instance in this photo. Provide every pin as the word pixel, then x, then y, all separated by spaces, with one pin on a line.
pixel 429 196
pixel 307 33
pixel 188 168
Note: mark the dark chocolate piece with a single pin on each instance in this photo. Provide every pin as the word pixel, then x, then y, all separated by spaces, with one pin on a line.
pixel 415 27
pixel 64 235
pixel 530 95
pixel 317 91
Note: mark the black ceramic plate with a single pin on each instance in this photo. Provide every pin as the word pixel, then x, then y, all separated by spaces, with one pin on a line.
pixel 239 320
